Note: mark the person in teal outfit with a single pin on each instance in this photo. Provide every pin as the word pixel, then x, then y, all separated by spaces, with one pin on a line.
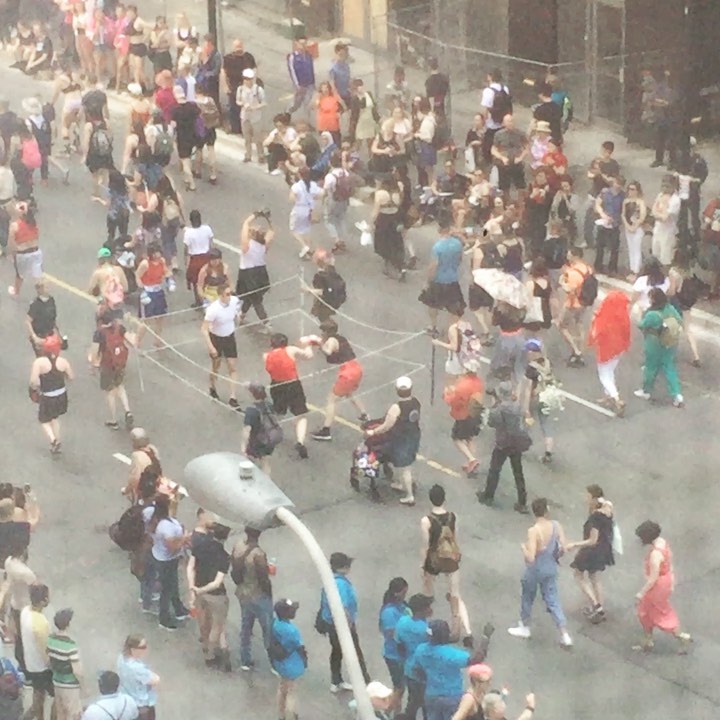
pixel 661 326
pixel 290 657
pixel 393 608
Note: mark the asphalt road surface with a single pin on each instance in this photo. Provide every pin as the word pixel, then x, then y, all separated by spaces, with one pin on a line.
pixel 656 463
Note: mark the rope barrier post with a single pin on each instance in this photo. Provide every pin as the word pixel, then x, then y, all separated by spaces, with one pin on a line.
pixel 302 300
pixel 432 373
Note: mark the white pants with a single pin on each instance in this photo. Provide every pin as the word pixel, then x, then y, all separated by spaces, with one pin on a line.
pixel 634 245
pixel 606 374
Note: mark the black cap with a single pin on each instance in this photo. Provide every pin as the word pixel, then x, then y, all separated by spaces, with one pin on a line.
pixel 439 632
pixel 339 560
pixel 286 608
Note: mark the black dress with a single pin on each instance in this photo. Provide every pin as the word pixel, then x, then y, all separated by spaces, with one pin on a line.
pixel 596 557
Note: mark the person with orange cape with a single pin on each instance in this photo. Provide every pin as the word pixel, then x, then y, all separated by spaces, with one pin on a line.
pixel 610 336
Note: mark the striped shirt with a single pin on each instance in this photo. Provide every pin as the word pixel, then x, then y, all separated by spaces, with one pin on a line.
pixel 62 653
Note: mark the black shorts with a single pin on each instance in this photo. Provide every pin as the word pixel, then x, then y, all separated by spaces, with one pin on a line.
pixel 41 681
pixel 441 296
pixel 138 49
pixel 208 140
pixel 465 429
pixel 226 346
pixel 509 175
pixel 185 148
pixel 288 396
pixel 51 408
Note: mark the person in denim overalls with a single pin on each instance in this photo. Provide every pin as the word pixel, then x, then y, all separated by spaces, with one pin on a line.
pixel 544 546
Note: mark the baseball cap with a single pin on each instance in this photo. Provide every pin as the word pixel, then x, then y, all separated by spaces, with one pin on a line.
pixel 285 606
pixel 439 632
pixel 378 691
pixel 339 560
pixel 533 345
pixel 403 383
pixel 104 252
pixel 249 73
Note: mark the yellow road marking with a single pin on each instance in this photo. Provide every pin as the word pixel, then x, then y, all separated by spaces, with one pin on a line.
pixel 340 420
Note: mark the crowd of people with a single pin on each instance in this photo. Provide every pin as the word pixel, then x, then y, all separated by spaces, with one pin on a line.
pixel 512 210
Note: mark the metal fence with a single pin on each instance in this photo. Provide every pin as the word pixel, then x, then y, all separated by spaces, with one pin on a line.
pixel 597 66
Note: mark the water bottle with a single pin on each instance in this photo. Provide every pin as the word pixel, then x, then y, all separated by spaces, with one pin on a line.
pixel 145 299
pixel 171 285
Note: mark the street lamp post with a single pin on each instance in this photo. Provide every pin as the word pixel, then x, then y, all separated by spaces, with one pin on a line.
pixel 212 20
pixel 234 488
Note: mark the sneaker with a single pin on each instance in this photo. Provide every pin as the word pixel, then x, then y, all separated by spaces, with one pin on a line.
pixel 322 435
pixel 305 252
pixel 546 459
pixel 12 291
pixel 696 363
pixel 597 616
pixel 276 172
pixel 170 627
pixel 214 394
pixel 150 611
pixel 522 509
pixel 363 418
pixel 340 687
pixel 409 500
pixel 566 640
pixel 679 401
pixel 247 667
pixel 182 616
pixel 656 163
pixel 233 403
pixel 112 424
pixel 642 394
pixel 468 642
pixel 483 498
pixel 301 451
pixel 520 631
pixel 129 421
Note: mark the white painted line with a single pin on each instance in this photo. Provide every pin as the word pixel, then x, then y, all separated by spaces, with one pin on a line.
pixel 122 458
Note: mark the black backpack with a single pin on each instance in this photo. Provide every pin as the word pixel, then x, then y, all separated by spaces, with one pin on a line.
pixel 335 290
pixel 101 145
pixel 276 650
pixel 270 434
pixel 588 290
pixel 128 532
pixel 502 105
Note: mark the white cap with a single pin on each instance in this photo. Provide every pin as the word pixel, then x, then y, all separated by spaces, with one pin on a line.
pixel 403 383
pixel 134 88
pixel 376 690
pixel 248 73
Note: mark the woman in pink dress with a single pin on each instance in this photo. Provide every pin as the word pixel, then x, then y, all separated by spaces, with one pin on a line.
pixel 653 601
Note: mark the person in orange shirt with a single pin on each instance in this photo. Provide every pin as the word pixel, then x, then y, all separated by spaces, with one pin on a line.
pixel 329 107
pixel 465 401
pixel 570 322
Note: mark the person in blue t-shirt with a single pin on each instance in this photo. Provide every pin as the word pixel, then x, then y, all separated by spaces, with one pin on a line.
pixel 291 667
pixel 410 632
pixel 340 564
pixel 393 608
pixel 442 664
pixel 443 289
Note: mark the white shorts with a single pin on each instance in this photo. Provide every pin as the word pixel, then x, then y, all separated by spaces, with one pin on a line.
pixel 29 265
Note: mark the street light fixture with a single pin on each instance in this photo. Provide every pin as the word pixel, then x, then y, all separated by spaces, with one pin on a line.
pixel 233 487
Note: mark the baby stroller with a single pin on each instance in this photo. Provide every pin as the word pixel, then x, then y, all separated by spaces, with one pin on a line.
pixel 370 458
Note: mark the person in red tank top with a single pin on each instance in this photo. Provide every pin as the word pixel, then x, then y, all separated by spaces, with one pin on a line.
pixel 110 356
pixel 286 390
